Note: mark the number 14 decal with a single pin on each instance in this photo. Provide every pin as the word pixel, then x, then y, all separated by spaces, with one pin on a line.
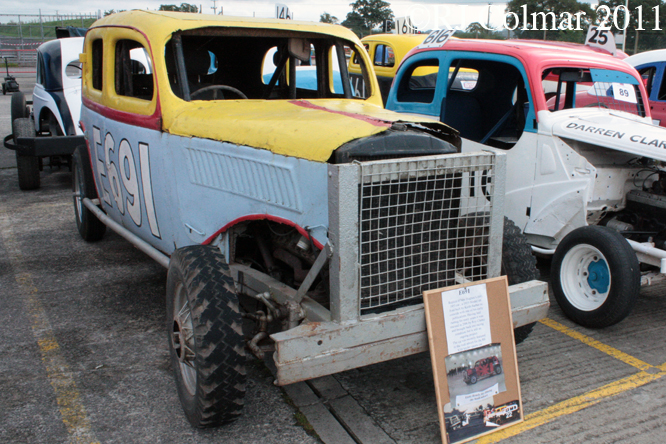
pixel 123 180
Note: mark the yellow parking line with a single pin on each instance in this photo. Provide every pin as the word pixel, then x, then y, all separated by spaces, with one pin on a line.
pixel 573 405
pixel 615 353
pixel 58 372
pixel 578 403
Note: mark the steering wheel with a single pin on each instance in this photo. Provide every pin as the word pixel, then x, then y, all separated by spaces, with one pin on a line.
pixel 217 88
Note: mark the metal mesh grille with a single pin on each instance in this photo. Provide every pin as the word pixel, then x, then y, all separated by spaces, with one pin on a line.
pixel 605 96
pixel 423 225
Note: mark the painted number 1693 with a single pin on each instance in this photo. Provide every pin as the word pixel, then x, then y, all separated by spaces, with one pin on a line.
pixel 119 171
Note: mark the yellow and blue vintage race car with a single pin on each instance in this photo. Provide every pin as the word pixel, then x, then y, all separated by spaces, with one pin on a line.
pixel 300 223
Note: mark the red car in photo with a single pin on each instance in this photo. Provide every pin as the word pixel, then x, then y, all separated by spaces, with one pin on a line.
pixel 483 368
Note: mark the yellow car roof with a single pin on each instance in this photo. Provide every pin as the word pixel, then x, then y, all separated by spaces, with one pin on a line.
pixel 161 24
pixel 406 40
pixel 310 129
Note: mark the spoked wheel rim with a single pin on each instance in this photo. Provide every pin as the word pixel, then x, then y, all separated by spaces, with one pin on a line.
pixel 585 277
pixel 182 339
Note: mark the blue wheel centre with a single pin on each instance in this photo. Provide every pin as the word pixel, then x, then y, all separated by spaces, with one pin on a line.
pixel 598 277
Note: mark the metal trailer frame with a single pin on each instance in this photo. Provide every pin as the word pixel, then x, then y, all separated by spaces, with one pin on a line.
pixel 320 341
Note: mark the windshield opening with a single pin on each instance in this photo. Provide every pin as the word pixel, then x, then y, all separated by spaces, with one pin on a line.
pixel 234 64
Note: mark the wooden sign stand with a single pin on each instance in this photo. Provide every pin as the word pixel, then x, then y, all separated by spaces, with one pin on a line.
pixel 473 354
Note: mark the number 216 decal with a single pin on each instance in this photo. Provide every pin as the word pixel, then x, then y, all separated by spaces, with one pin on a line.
pixel 123 179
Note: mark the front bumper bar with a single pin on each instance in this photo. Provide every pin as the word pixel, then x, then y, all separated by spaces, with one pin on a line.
pixel 318 349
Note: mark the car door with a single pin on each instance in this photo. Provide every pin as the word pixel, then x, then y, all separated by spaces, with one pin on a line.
pixel 488 99
pixel 122 126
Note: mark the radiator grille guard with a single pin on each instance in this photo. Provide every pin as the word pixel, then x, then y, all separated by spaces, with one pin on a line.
pixel 424 223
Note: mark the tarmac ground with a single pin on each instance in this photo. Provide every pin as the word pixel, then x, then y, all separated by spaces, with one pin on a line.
pixel 86 359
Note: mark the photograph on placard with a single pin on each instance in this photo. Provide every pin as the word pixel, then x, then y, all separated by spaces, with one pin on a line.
pixel 465 423
pixel 474 375
pixel 473 354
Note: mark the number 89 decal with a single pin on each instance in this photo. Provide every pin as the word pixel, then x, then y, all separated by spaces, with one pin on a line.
pixel 123 179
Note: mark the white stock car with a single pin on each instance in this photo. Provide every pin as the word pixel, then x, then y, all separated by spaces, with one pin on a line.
pixel 585 176
pixel 51 130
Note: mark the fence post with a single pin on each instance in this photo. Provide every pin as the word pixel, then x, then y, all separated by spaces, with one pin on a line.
pixel 41 25
pixel 18 53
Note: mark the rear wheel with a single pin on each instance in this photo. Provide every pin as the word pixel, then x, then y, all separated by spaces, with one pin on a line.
pixel 595 276
pixel 90 228
pixel 27 166
pixel 19 107
pixel 205 336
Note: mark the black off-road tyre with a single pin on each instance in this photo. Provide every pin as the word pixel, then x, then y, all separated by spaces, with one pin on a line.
pixel 90 228
pixel 27 166
pixel 207 347
pixel 518 262
pixel 19 107
pixel 498 369
pixel 519 265
pixel 585 261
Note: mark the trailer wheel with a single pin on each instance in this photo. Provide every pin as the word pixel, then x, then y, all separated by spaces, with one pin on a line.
pixel 19 107
pixel 83 185
pixel 595 276
pixel 27 166
pixel 205 336
pixel 518 262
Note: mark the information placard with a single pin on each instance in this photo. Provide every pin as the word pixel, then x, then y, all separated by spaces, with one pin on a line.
pixel 470 333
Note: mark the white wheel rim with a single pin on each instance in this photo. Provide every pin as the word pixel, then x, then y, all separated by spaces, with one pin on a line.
pixel 182 339
pixel 585 277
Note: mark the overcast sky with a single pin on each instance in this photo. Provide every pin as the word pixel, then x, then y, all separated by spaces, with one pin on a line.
pixel 426 14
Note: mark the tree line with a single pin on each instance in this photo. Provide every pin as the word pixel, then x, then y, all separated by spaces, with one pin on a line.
pixel 645 21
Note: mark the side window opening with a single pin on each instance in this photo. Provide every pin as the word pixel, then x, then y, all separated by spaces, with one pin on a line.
pixel 97 63
pixel 355 59
pixel 73 69
pixel 338 68
pixel 662 89
pixel 384 56
pixel 418 82
pixel 40 69
pixel 647 74
pixel 488 103
pixel 573 87
pixel 133 70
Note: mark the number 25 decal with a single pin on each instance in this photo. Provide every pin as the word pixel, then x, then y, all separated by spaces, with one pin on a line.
pixel 123 179
pixel 598 36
